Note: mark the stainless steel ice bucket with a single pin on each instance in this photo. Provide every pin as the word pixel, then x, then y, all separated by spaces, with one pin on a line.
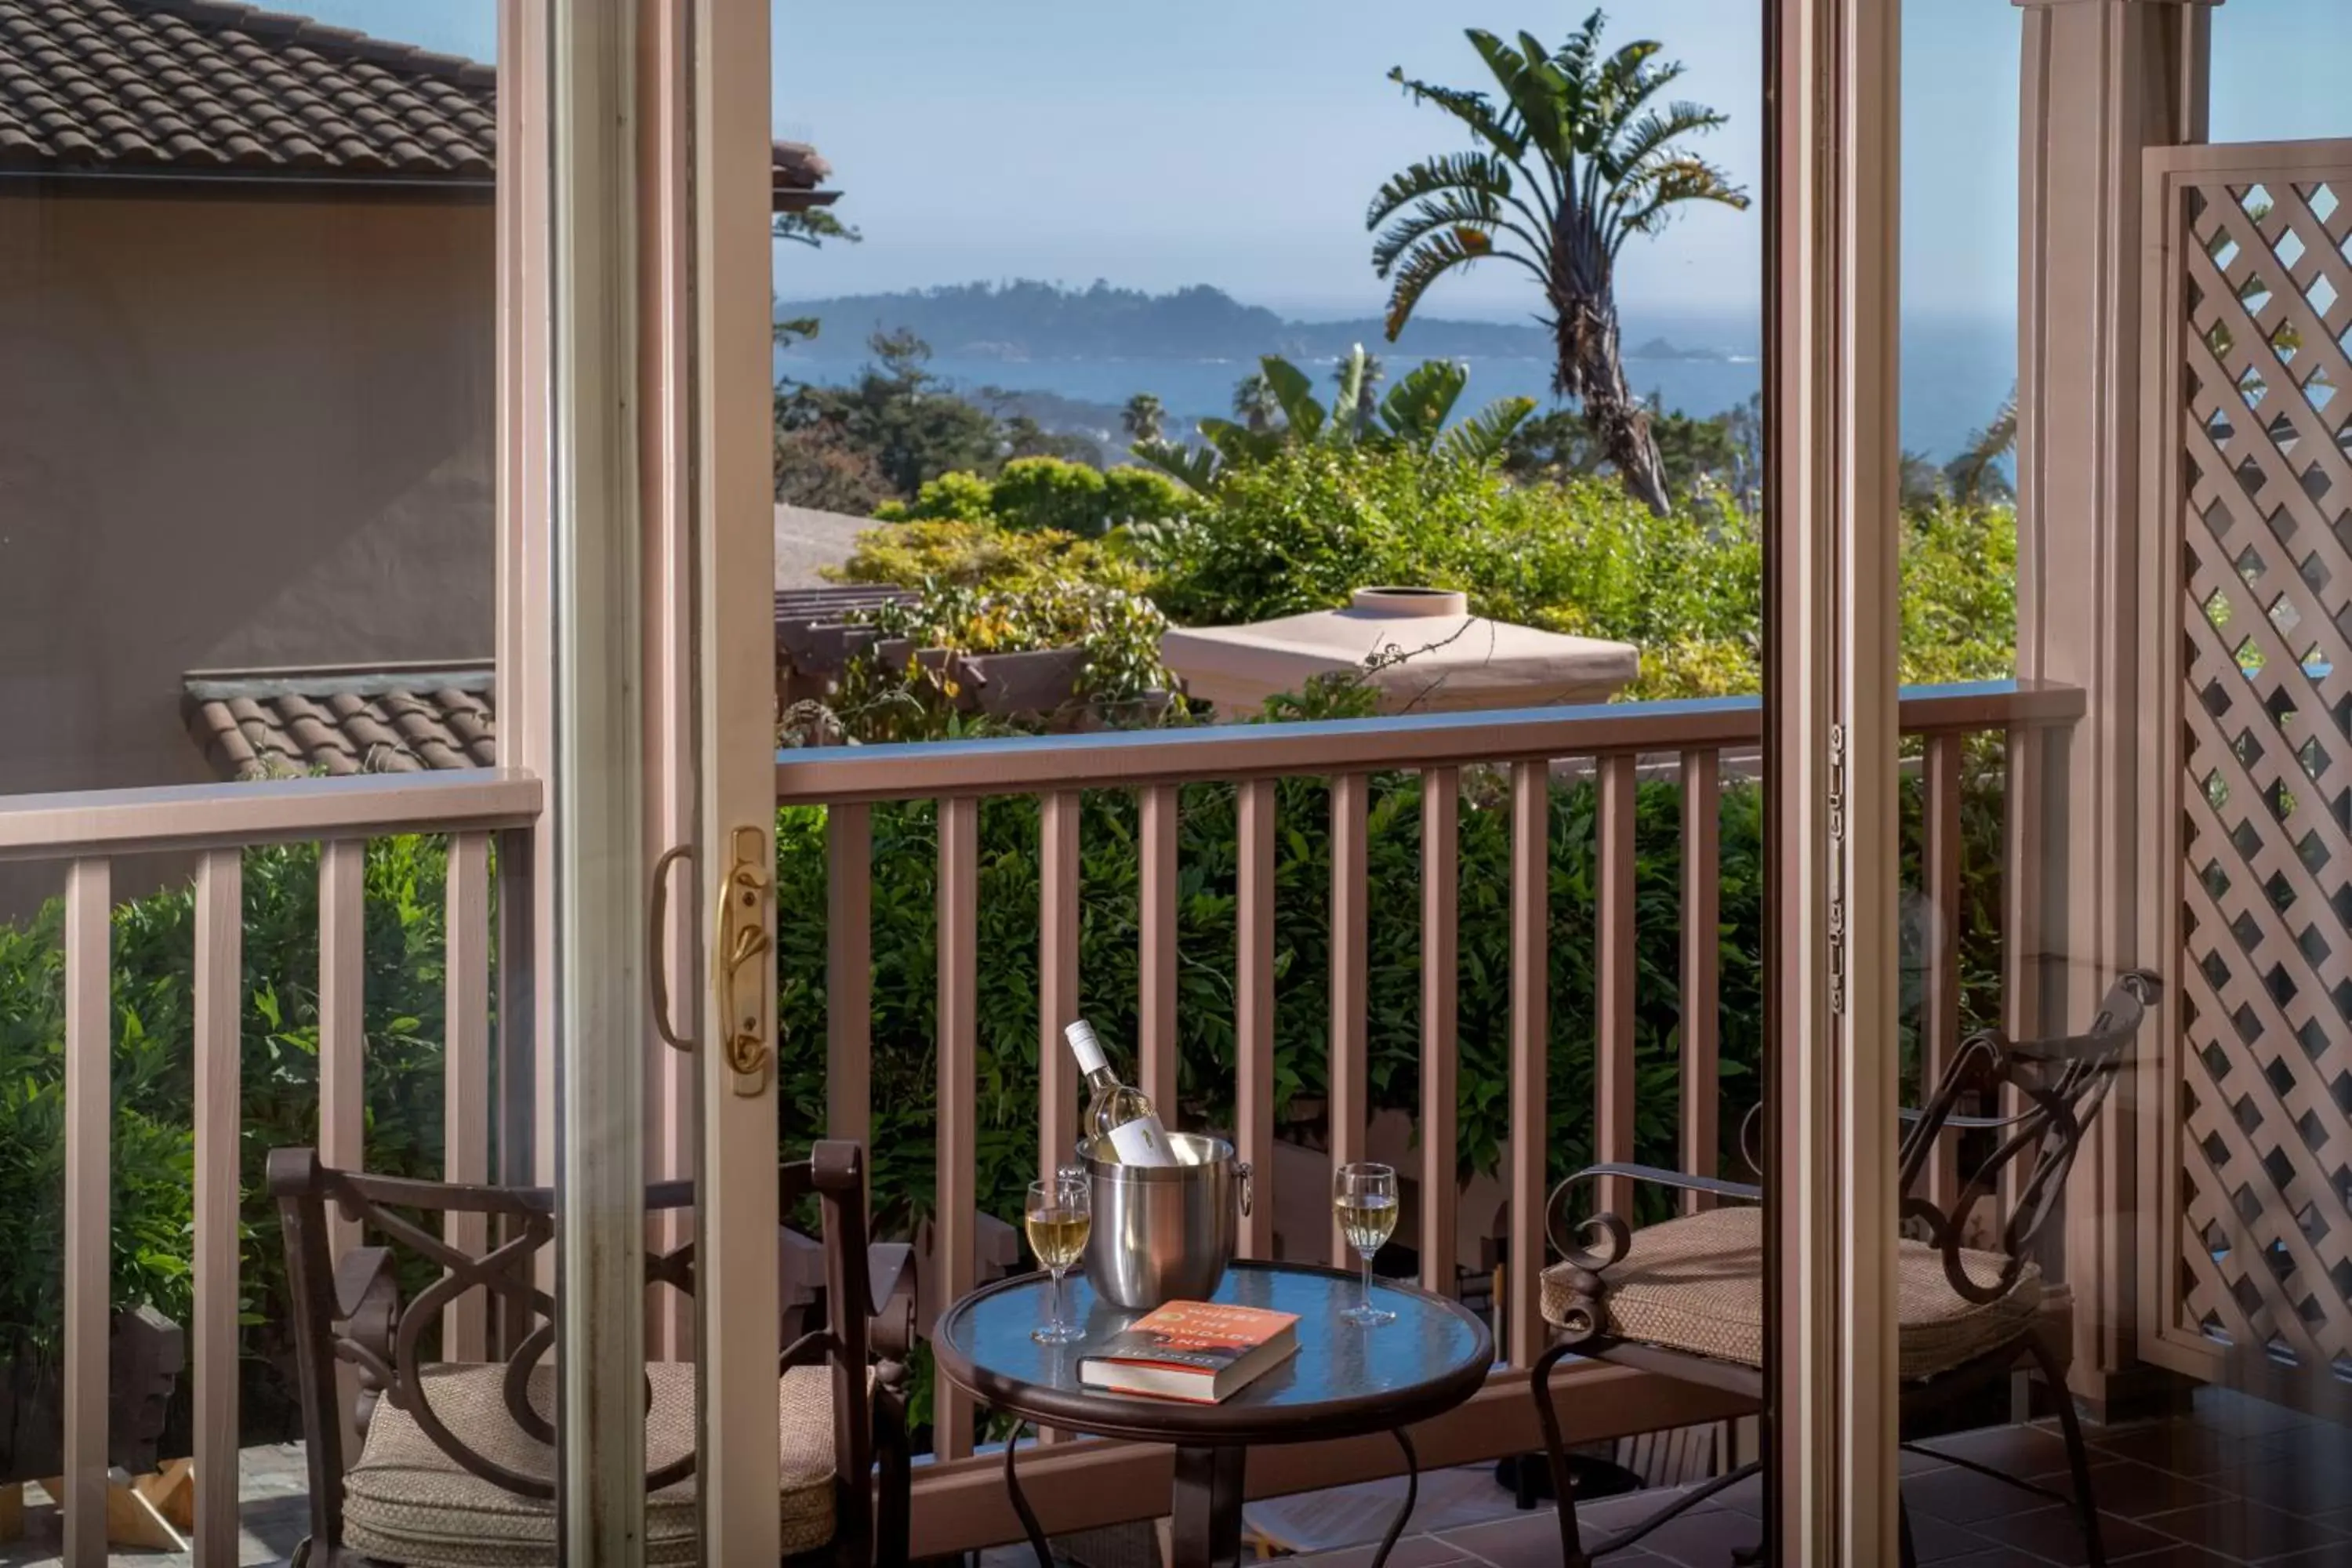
pixel 1165 1233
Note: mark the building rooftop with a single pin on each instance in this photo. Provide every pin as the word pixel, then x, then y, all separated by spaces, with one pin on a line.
pixel 186 88
pixel 384 718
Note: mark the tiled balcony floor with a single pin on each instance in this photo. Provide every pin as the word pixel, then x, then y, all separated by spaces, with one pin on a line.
pixel 2234 1482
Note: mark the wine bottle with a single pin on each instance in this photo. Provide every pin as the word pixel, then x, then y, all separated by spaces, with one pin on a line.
pixel 1119 1117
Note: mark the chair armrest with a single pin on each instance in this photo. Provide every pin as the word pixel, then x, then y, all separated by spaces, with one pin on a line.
pixel 1612 1227
pixel 1912 1115
pixel 890 1273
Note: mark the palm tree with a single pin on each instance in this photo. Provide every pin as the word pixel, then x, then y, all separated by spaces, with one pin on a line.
pixel 1976 475
pixel 1144 418
pixel 1573 161
pixel 1255 404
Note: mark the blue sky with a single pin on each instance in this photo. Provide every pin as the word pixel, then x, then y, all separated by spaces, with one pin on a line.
pixel 1236 141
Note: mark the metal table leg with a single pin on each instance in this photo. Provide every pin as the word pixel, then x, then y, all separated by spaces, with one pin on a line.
pixel 1412 1496
pixel 1021 1509
pixel 1205 1506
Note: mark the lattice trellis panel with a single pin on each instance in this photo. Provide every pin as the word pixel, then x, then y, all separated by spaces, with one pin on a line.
pixel 2264 1143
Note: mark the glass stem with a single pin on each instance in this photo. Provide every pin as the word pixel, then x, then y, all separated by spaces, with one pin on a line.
pixel 1059 1317
pixel 1366 1300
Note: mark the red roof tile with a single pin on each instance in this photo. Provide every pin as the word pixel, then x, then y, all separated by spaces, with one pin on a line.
pixel 399 718
pixel 208 86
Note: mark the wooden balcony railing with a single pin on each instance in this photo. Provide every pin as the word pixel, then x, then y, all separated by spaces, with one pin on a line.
pixel 89 832
pixel 489 814
pixel 960 1506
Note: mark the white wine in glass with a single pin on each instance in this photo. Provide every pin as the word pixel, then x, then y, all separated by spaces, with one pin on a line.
pixel 1059 1215
pixel 1364 1196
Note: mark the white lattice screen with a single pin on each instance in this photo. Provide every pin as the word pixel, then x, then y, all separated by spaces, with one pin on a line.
pixel 2258 357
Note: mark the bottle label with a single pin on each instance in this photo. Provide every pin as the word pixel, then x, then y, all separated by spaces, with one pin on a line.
pixel 1142 1141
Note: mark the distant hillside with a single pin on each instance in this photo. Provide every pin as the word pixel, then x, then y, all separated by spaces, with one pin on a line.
pixel 1030 320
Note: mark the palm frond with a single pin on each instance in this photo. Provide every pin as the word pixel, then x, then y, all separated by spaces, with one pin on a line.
pixel 1431 259
pixel 1418 405
pixel 1650 138
pixel 1240 444
pixel 1455 210
pixel 1347 399
pixel 1294 390
pixel 1971 472
pixel 1476 176
pixel 1670 185
pixel 1482 437
pixel 1473 109
pixel 1196 468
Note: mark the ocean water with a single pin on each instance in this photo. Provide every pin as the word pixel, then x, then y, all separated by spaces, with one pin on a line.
pixel 1955 374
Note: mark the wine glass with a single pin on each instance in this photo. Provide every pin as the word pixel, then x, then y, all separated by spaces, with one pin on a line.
pixel 1060 1213
pixel 1365 1195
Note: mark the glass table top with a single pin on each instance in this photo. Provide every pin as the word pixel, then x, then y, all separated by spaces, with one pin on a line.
pixel 1430 1342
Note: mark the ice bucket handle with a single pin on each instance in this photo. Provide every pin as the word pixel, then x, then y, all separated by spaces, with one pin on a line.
pixel 1249 1185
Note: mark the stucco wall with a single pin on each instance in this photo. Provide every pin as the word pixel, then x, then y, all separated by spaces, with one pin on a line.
pixel 233 431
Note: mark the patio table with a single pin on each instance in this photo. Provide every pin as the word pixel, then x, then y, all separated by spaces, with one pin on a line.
pixel 1345 1381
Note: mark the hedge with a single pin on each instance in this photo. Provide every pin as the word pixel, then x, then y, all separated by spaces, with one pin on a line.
pixel 905 959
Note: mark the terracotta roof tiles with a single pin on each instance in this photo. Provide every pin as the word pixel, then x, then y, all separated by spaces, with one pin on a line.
pixel 209 87
pixel 280 723
pixel 187 86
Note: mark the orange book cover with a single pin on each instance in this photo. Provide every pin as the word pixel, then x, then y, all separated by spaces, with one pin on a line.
pixel 1196 1336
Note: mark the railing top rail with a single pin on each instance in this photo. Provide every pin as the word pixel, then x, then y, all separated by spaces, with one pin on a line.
pixel 1126 759
pixel 212 817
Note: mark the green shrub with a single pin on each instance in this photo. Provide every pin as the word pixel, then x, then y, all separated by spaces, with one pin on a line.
pixel 155 1088
pixel 951 552
pixel 1032 493
pixel 1309 525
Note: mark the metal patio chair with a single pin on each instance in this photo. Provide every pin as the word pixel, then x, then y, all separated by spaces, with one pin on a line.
pixel 457 1461
pixel 1685 1298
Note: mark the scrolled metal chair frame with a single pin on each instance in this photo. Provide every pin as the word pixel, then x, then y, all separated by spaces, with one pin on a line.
pixel 2062 1083
pixel 353 1314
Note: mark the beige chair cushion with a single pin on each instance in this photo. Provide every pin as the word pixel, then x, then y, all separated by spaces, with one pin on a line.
pixel 1696 1284
pixel 406 1501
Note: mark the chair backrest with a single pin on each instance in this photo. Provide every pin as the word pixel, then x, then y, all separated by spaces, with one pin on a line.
pixel 353 1313
pixel 2061 1084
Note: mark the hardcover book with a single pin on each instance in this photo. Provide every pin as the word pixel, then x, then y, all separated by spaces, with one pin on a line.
pixel 1196 1351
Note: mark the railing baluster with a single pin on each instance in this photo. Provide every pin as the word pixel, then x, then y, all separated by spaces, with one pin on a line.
pixel 1347 1067
pixel 1530 1043
pixel 518 1071
pixel 2025 842
pixel 959 1047
pixel 1157 1050
pixel 90 1128
pixel 1441 865
pixel 1941 1036
pixel 1702 958
pixel 1058 863
pixel 342 1054
pixel 1254 1010
pixel 1058 978
pixel 849 973
pixel 465 1068
pixel 343 1021
pixel 220 996
pixel 1617 977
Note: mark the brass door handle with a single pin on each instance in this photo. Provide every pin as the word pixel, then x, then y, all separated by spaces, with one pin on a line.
pixel 657 968
pixel 741 937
